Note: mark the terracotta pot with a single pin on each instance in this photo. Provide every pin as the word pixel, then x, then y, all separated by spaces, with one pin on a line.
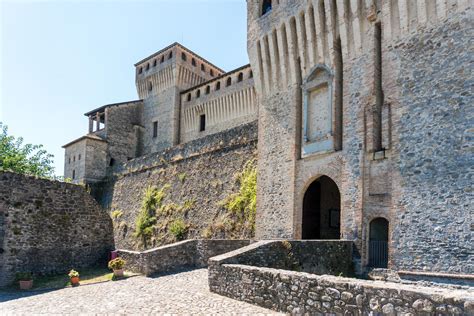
pixel 118 272
pixel 26 285
pixel 75 280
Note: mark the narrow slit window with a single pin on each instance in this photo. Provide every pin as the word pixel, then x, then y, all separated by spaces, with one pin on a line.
pixel 198 94
pixel 183 56
pixel 193 62
pixel 208 89
pixel 211 72
pixel 170 55
pixel 229 82
pixel 240 77
pixel 155 129
pixel 154 63
pixel 202 122
pixel 203 68
pixel 74 174
pixel 189 97
pixel 218 85
pixel 266 6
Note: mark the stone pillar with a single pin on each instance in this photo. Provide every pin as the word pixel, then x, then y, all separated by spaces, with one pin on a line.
pixel 91 124
pixel 97 117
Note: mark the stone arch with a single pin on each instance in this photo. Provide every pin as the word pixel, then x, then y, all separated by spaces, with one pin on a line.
pixel 378 242
pixel 321 210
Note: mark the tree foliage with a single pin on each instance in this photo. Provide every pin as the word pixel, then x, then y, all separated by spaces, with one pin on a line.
pixel 23 158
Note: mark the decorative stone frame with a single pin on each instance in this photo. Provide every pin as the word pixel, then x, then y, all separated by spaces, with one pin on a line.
pixel 319 75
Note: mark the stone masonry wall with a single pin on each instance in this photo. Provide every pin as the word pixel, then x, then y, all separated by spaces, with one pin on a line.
pixel 435 217
pixel 311 256
pixel 198 176
pixel 184 254
pixel 49 227
pixel 303 293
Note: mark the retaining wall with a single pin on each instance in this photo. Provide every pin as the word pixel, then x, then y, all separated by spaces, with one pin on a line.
pixel 184 254
pixel 49 227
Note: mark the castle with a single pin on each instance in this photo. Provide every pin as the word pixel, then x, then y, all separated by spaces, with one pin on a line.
pixel 364 115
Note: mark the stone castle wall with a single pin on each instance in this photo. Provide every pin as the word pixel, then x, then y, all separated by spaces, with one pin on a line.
pixel 425 112
pixel 198 176
pixel 226 102
pixel 49 227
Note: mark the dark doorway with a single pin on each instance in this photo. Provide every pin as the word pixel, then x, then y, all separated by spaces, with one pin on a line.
pixel 378 243
pixel 321 210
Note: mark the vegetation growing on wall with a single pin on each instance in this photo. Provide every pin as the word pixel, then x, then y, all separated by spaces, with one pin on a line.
pixel 241 207
pixel 178 229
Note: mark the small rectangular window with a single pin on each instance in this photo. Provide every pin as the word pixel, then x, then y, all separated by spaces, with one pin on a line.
pixel 74 174
pixel 155 129
pixel 202 123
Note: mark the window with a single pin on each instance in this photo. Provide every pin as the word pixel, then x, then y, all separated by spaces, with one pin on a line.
pixel 266 6
pixel 154 63
pixel 202 122
pixel 193 62
pixel 162 59
pixel 147 66
pixel 140 70
pixel 170 55
pixel 74 174
pixel 251 74
pixel 112 162
pixel 240 77
pixel 203 68
pixel 150 86
pixel 218 85
pixel 69 160
pixel 229 82
pixel 74 159
pixel 211 72
pixel 208 89
pixel 155 129
pixel 189 97
pixel 183 56
pixel 198 93
pixel 79 157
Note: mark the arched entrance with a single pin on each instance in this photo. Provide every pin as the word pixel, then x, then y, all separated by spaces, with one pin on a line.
pixel 321 210
pixel 378 243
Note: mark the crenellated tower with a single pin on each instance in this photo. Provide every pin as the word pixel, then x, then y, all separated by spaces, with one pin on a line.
pixel 159 79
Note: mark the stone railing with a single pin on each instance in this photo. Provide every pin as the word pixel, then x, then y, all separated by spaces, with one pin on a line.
pixel 184 254
pixel 235 275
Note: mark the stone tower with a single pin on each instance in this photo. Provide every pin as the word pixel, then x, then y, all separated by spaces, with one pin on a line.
pixel 159 79
pixel 363 123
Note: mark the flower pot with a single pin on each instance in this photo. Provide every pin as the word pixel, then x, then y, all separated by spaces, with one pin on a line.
pixel 75 281
pixel 118 272
pixel 26 285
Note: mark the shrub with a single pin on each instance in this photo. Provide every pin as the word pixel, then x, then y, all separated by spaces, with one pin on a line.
pixel 24 276
pixel 116 214
pixel 178 229
pixel 73 274
pixel 244 203
pixel 116 264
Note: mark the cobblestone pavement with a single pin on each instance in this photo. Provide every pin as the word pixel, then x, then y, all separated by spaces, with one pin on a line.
pixel 181 293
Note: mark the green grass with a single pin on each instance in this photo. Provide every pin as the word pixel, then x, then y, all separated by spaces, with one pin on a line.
pixel 87 276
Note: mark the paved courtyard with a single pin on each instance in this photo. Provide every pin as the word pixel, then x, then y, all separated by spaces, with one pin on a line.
pixel 181 293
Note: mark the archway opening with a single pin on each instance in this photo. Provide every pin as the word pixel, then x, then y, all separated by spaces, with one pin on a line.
pixel 321 210
pixel 378 243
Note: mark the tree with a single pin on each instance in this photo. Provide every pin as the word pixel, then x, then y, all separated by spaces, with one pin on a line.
pixel 24 158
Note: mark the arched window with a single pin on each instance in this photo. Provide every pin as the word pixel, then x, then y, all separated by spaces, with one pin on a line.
pixel 318 134
pixel 183 56
pixel 251 74
pixel 162 59
pixel 140 70
pixel 211 73
pixel 240 77
pixel 208 89
pixel 150 86
pixel 218 85
pixel 193 62
pixel 154 63
pixel 189 97
pixel 266 6
pixel 147 66
pixel 198 93
pixel 170 55
pixel 228 82
pixel 203 68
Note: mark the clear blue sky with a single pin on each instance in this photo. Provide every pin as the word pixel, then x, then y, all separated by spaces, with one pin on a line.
pixel 60 59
